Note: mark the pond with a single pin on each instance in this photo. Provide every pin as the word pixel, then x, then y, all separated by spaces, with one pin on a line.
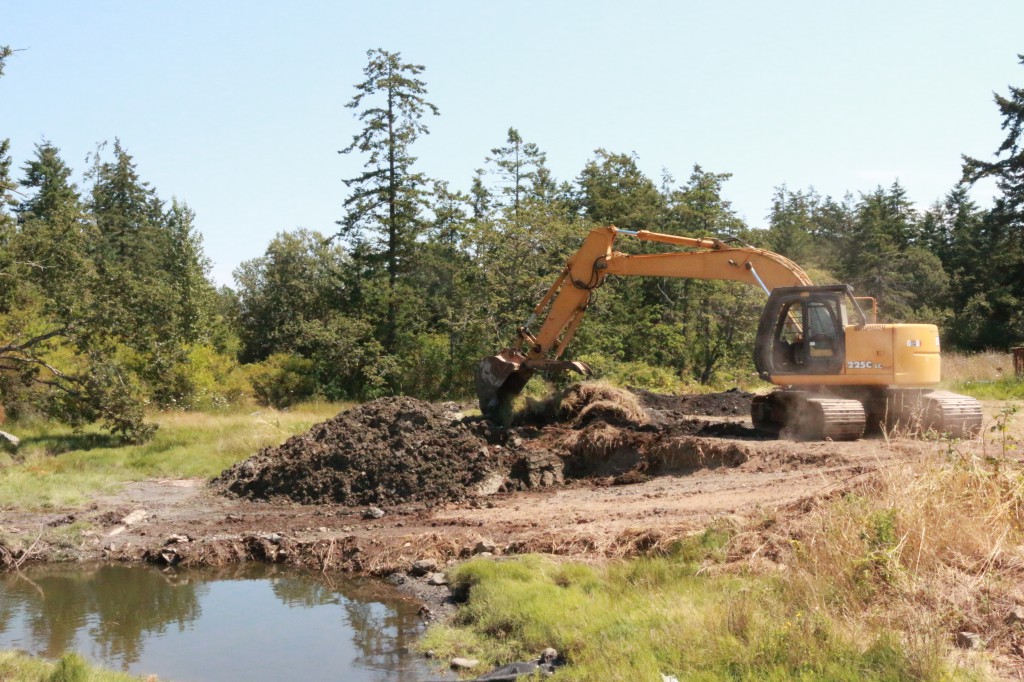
pixel 251 623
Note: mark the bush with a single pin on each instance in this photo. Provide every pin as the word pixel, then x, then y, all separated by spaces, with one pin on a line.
pixel 282 380
pixel 205 379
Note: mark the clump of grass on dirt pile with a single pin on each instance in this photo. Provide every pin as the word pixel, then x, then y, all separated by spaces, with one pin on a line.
pixel 587 401
pixel 646 617
pixel 19 667
pixel 56 467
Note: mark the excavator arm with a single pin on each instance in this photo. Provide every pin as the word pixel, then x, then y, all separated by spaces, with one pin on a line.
pixel 500 378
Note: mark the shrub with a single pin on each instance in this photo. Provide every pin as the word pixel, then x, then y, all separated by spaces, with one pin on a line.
pixel 283 379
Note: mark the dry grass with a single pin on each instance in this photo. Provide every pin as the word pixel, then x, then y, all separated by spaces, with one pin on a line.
pixel 987 366
pixel 929 546
pixel 588 401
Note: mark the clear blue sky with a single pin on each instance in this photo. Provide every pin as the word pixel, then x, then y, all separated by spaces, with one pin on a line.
pixel 237 108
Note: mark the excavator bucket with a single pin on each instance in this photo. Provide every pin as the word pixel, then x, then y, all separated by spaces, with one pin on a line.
pixel 500 378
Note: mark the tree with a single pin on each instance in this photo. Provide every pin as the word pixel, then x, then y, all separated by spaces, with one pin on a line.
pixel 295 300
pixel 521 172
pixel 1009 170
pixel 1001 234
pixel 387 198
pixel 614 191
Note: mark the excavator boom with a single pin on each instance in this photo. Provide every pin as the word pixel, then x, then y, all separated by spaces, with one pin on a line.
pixel 501 377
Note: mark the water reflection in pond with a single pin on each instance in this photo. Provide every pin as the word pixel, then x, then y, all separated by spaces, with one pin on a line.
pixel 252 623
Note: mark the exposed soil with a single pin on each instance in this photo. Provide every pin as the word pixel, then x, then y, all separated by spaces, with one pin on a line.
pixel 564 484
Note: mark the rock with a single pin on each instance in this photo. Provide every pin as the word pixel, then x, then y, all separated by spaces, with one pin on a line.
pixel 437 579
pixel 464 663
pixel 669 678
pixel 9 441
pixel 274 538
pixel 1016 615
pixel 374 513
pixel 549 655
pixel 137 516
pixel 116 530
pixel 429 653
pixel 485 546
pixel 423 567
pixel 395 579
pixel 968 640
pixel 176 539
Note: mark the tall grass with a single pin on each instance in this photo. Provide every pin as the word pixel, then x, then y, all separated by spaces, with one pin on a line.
pixel 19 667
pixel 648 617
pixel 987 376
pixel 57 468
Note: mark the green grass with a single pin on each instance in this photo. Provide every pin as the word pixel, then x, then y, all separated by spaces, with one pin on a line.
pixel 19 667
pixel 637 619
pixel 58 468
pixel 1007 388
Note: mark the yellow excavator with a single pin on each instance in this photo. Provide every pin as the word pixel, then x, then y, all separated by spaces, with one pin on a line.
pixel 840 372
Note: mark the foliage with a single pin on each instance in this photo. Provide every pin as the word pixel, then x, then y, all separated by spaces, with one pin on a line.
pixel 283 380
pixel 388 196
pixel 107 305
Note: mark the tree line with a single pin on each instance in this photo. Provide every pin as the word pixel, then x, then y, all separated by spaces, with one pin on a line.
pixel 107 306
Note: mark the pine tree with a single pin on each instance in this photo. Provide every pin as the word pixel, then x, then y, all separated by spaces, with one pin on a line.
pixel 521 171
pixel 387 199
pixel 1008 170
pixel 1002 234
pixel 55 235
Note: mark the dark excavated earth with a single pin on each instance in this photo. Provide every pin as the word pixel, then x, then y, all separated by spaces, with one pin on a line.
pixel 403 450
pixel 383 452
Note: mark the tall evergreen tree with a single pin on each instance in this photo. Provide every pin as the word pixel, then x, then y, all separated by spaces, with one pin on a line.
pixel 1009 169
pixel 614 191
pixel 387 199
pixel 1003 230
pixel 522 174
pixel 55 235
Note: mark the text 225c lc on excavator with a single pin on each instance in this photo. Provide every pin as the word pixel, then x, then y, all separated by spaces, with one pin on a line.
pixel 839 372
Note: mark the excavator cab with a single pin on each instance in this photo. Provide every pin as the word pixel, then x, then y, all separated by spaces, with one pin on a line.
pixel 802 330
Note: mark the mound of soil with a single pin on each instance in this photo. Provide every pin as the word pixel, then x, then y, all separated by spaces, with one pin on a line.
pixel 731 402
pixel 383 452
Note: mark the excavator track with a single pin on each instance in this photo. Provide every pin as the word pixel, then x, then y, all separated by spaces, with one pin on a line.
pixel 803 416
pixel 958 416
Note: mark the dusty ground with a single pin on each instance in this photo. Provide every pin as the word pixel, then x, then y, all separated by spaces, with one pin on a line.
pixel 625 502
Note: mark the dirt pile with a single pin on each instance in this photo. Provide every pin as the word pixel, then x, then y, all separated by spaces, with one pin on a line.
pixel 400 450
pixel 727 403
pixel 384 452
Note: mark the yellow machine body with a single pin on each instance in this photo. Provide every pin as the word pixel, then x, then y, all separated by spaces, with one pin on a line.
pixel 897 355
